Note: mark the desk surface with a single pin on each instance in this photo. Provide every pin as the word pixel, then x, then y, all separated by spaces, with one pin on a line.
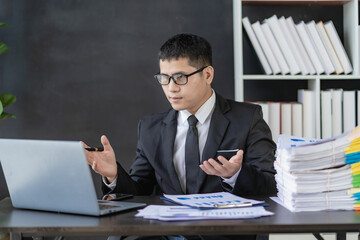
pixel 284 221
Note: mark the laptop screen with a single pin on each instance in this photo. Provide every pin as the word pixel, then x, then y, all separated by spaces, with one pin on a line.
pixel 48 175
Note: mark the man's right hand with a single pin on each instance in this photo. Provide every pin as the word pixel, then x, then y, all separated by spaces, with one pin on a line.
pixel 103 162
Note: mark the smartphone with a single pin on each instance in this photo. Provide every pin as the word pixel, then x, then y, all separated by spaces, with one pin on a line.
pixel 226 154
pixel 118 196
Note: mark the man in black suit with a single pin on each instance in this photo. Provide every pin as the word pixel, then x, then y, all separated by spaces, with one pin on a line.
pixel 233 149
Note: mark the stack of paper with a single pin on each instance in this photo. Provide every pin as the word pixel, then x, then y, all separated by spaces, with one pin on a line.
pixel 220 205
pixel 287 141
pixel 181 213
pixel 352 155
pixel 212 200
pixel 318 176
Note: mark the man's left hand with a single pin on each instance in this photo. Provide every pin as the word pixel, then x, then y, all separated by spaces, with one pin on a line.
pixel 228 167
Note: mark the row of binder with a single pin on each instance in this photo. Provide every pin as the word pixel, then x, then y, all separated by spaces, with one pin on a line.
pixel 284 47
pixel 339 112
pixel 283 118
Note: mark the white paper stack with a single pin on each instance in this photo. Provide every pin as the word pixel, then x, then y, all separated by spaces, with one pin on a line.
pixel 314 176
pixel 220 205
pixel 212 200
pixel 184 213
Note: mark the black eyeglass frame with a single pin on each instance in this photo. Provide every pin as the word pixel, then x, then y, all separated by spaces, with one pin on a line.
pixel 178 74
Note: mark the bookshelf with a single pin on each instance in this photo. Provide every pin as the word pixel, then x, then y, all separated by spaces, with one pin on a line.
pixel 350 23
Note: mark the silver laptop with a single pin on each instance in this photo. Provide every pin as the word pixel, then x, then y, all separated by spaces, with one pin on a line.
pixel 53 176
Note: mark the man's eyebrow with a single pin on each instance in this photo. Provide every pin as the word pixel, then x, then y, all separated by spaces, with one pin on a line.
pixel 172 74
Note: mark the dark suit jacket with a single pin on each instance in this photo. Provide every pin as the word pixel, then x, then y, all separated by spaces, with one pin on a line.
pixel 233 125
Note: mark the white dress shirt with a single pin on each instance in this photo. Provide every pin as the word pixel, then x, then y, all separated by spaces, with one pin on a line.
pixel 203 116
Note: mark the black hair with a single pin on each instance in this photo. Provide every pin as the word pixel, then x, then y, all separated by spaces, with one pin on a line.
pixel 195 48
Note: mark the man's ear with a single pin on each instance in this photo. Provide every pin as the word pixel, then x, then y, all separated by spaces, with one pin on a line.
pixel 209 74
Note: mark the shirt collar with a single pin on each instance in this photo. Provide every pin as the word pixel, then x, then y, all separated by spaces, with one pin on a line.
pixel 204 111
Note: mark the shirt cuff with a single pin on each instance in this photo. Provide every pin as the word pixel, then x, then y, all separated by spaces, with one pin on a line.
pixel 109 185
pixel 231 181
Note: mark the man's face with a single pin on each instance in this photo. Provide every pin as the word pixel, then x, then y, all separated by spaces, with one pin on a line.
pixel 192 95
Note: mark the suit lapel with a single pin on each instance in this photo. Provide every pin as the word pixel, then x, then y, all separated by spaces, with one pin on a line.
pixel 217 129
pixel 168 135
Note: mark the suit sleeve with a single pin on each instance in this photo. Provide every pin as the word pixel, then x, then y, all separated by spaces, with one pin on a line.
pixel 141 179
pixel 257 173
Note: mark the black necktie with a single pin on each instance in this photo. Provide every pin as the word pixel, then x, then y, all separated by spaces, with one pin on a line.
pixel 192 155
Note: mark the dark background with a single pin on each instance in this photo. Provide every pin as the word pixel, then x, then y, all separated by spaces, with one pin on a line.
pixel 83 68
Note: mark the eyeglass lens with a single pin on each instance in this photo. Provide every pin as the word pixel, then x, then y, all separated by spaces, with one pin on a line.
pixel 178 78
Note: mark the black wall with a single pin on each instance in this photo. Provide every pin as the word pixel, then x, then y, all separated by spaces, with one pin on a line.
pixel 83 68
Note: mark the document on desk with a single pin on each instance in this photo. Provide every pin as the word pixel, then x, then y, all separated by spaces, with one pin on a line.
pixel 182 213
pixel 212 200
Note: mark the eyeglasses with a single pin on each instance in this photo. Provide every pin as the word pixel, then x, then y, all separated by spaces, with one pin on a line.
pixel 179 78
